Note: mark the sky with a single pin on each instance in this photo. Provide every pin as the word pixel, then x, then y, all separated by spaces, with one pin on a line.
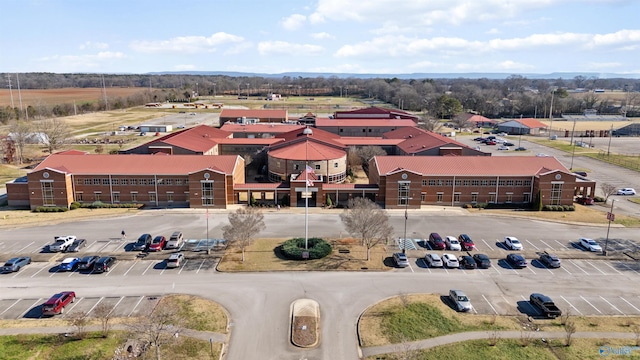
pixel 328 36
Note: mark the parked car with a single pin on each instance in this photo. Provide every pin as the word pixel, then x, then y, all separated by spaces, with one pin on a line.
pixel 452 243
pixel 450 261
pixel 581 173
pixel 15 264
pixel 69 264
pixel 517 260
pixel 542 155
pixel 61 243
pixel 479 138
pixel 482 261
pixel 87 262
pixel 520 148
pixel 590 245
pixel 467 262
pixel 466 243
pixel 401 260
pixel 175 260
pixel 433 260
pixel 76 245
pixel 436 241
pixel 460 300
pixel 626 191
pixel 175 241
pixel 104 264
pixel 550 260
pixel 159 242
pixel 56 304
pixel 508 143
pixel 545 304
pixel 503 147
pixel 142 243
pixel 490 142
pixel 512 243
pixel 585 200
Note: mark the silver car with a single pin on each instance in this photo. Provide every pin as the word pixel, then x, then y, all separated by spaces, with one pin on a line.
pixel 460 300
pixel 433 260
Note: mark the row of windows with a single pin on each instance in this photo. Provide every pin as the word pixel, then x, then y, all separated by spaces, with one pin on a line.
pixel 299 167
pixel 475 182
pixel 132 181
pixel 508 198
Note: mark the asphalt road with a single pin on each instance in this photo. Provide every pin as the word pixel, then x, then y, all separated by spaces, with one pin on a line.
pixel 258 303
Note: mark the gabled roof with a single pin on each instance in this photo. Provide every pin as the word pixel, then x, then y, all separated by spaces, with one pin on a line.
pixel 526 122
pixel 260 113
pixel 475 118
pixel 378 112
pixel 134 164
pixel 200 138
pixel 71 152
pixel 271 128
pixel 306 150
pixel 469 165
pixel 371 141
pixel 322 122
pixel 418 140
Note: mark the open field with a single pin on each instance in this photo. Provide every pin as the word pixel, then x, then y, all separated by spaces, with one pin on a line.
pixel 582 126
pixel 59 96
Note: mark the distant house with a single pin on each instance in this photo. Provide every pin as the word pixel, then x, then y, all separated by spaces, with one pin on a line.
pixel 524 126
pixel 264 115
pixel 475 120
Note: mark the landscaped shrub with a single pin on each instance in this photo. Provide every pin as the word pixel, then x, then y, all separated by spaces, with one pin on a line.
pixel 51 209
pixel 74 205
pixel 101 205
pixel 468 206
pixel 598 199
pixel 317 248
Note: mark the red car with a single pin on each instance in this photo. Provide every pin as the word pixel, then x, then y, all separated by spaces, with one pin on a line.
pixel 466 243
pixel 55 305
pixel 158 243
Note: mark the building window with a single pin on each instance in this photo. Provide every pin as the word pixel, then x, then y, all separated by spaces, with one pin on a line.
pixel 87 181
pixel 458 182
pixel 526 197
pixel 134 196
pixel 115 181
pixel 207 193
pixel 79 196
pixel 475 182
pixel 501 182
pixel 424 182
pixel 423 197
pixel 448 182
pixel 510 182
pixel 152 181
pixel 509 198
pixel 96 181
pixel 403 192
pixel 341 130
pixel 170 196
pixel 440 182
pixel 168 181
pixel 492 183
pixel 317 167
pixel 296 167
pixel 527 183
pixel 152 196
pixel 518 182
pixel 466 182
pixel 440 196
pixel 492 197
pixel 432 182
pixel 133 181
pixel 556 193
pixel 456 197
pixel 124 181
pixel 105 181
pixel 179 182
pixel 97 196
pixel 474 197
pixel 47 193
pixel 116 197
pixel 485 182
pixel 142 181
pixel 79 182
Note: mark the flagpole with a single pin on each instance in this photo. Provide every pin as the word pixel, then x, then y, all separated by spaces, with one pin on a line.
pixel 307 132
pixel 207 224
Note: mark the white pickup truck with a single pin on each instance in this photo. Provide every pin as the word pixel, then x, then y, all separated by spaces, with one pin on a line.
pixel 61 243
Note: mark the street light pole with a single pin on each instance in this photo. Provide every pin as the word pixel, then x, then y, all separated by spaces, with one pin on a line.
pixel 551 114
pixel 406 216
pixel 574 144
pixel 610 216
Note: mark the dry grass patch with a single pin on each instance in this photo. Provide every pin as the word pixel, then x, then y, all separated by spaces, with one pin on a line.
pixel 11 218
pixel 263 255
pixel 200 314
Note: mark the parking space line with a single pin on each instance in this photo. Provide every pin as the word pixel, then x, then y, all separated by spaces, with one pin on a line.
pixel 75 303
pixel 105 245
pixel 136 306
pixel 563 268
pixel 488 246
pixel 200 267
pixel 530 243
pixel 445 269
pixel 94 306
pixel 130 267
pixel 426 243
pixel 628 267
pixel 55 272
pixel 623 299
pixel 29 308
pixel 535 310
pixel 602 272
pixel 570 304
pixel 610 304
pixel 505 300
pixel 116 305
pixel 543 265
pixel 37 272
pixel 612 268
pixel 562 245
pixel 93 243
pixel 576 265
pixel 547 245
pixel 492 308
pixel 495 267
pixel 21 250
pixel 9 307
pixel 587 301
pixel 145 270
pixel 114 266
pixel 530 268
pixel 187 260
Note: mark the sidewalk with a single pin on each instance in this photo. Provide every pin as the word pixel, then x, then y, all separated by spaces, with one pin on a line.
pixel 478 335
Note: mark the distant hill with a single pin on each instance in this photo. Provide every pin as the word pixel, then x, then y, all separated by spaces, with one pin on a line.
pixel 497 76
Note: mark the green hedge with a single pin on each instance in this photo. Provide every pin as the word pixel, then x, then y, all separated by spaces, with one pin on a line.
pixel 558 208
pixel 101 205
pixel 317 248
pixel 51 209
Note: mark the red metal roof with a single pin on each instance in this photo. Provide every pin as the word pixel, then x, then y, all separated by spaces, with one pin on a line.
pixel 261 113
pixel 469 165
pixel 321 122
pixel 135 164
pixel 200 138
pixel 372 141
pixel 261 186
pixel 307 150
pixel 373 110
pixel 531 123
pixel 370 187
pixel 319 134
pixel 417 140
pixel 249 141
pixel 272 128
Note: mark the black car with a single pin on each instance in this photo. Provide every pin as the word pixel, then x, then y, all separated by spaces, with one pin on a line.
pixel 508 144
pixel 77 245
pixel 143 242
pixel 550 260
pixel 517 260
pixel 482 261
pixel 104 264
pixel 87 262
pixel 467 262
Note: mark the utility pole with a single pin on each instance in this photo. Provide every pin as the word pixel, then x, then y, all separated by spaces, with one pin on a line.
pixel 10 90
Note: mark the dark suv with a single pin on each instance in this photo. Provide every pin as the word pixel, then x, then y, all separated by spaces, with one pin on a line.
pixel 143 242
pixel 436 241
pixel 104 264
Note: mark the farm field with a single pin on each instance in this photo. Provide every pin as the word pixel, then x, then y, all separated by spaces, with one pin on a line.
pixel 59 96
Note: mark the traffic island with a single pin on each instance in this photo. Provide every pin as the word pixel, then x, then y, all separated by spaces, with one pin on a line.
pixel 305 323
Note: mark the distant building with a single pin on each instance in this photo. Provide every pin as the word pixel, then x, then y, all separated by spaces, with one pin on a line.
pixel 526 126
pixel 375 113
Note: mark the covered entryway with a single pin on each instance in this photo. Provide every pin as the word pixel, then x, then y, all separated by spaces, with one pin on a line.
pixel 311 193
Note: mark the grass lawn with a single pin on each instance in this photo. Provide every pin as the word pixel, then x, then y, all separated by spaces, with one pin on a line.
pixel 9 173
pixel 201 314
pixel 26 217
pixel 263 255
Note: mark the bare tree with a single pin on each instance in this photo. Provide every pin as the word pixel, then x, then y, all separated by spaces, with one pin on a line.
pixel 608 190
pixel 570 329
pixel 104 312
pixel 244 225
pixel 429 123
pixel 79 320
pixel 159 328
pixel 367 220
pixel 56 132
pixel 20 132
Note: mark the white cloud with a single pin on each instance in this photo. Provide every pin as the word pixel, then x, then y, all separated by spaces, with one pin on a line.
pixel 512 65
pixel 286 48
pixel 186 44
pixel 492 31
pixel 183 67
pixel 94 45
pixel 294 22
pixel 89 61
pixel 604 65
pixel 322 35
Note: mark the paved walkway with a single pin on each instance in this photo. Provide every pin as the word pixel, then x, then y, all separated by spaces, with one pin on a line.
pixel 478 335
